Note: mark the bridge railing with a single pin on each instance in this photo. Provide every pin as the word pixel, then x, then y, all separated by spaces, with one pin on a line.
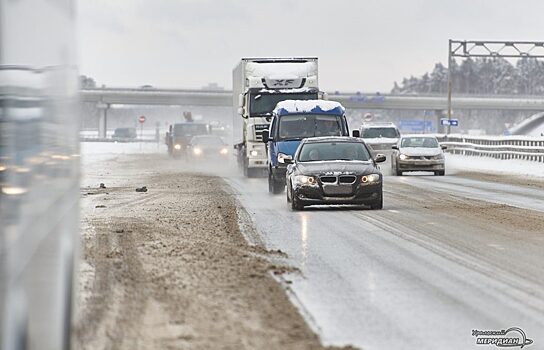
pixel 498 147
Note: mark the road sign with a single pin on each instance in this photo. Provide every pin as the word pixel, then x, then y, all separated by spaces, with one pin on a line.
pixel 411 125
pixel 450 122
pixel 141 119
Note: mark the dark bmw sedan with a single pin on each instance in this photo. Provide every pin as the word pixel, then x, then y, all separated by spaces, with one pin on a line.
pixel 334 170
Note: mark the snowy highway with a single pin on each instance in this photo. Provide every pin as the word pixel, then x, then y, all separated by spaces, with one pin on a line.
pixel 446 255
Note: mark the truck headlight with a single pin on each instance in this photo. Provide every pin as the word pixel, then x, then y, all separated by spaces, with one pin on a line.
pixel 282 157
pixel 305 180
pixel 224 151
pixel 403 157
pixel 371 178
pixel 197 151
pixel 177 146
pixel 254 153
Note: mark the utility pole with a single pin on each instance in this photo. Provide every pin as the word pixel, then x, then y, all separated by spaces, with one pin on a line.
pixel 448 129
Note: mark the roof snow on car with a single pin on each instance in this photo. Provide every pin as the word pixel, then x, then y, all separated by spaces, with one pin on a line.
pixel 309 107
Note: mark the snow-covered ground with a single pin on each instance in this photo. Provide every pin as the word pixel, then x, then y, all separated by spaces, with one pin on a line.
pixel 456 163
pixel 92 152
pixel 100 151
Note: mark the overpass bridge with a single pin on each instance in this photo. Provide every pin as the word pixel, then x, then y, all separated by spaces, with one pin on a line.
pixel 105 97
pixel 126 96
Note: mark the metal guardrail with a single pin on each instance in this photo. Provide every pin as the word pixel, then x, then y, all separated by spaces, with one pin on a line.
pixel 498 147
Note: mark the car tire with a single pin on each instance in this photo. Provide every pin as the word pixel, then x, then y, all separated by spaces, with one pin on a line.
pixel 378 205
pixel 295 203
pixel 287 195
pixel 274 186
pixel 398 172
pixel 440 173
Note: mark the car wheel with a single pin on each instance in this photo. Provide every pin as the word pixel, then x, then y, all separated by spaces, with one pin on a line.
pixel 398 172
pixel 377 205
pixel 295 203
pixel 441 173
pixel 274 186
pixel 287 191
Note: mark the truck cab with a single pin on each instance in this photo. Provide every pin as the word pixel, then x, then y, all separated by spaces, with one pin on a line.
pixel 179 136
pixel 258 85
pixel 293 121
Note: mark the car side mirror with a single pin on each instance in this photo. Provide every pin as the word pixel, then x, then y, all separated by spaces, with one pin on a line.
pixel 395 147
pixel 444 147
pixel 266 136
pixel 380 158
pixel 356 133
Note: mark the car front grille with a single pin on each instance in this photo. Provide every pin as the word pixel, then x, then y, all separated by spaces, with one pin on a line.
pixel 347 179
pixel 328 179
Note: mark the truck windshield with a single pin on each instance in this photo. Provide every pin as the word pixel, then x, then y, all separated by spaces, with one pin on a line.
pixel 301 126
pixel 190 129
pixel 327 151
pixel 265 103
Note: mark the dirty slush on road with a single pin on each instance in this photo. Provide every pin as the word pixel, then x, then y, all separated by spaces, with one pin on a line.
pixel 170 269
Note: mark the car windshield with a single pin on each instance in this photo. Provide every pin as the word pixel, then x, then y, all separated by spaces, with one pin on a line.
pixel 301 126
pixel 265 103
pixel 324 151
pixel 387 132
pixel 425 142
pixel 190 129
pixel 207 141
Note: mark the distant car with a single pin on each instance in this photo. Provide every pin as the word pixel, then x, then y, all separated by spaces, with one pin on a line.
pixel 124 133
pixel 380 136
pixel 334 170
pixel 418 153
pixel 207 146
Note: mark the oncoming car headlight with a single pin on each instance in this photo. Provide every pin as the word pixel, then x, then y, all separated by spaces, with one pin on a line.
pixel 254 153
pixel 177 146
pixel 403 157
pixel 305 180
pixel 371 178
pixel 197 151
pixel 224 151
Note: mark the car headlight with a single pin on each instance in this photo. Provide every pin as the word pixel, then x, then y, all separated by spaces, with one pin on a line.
pixel 282 157
pixel 254 153
pixel 197 151
pixel 224 151
pixel 305 180
pixel 439 156
pixel 403 157
pixel 177 146
pixel 370 178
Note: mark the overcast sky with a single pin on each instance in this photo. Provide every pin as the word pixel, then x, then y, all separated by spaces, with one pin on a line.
pixel 362 45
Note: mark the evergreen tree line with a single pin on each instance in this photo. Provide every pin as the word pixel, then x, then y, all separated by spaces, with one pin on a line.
pixel 482 76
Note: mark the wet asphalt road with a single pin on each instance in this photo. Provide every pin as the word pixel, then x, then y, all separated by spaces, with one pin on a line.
pixel 446 255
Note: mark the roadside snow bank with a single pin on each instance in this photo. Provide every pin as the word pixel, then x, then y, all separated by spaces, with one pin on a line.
pixel 456 163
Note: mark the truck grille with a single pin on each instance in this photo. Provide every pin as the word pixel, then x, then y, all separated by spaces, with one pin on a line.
pixel 259 131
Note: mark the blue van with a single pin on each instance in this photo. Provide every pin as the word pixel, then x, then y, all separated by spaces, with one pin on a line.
pixel 294 120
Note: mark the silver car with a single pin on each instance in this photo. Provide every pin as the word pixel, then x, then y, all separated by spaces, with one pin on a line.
pixel 418 153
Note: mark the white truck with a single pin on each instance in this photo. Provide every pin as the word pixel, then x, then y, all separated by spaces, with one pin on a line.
pixel 258 85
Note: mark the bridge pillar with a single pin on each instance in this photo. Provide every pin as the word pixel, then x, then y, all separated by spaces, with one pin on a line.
pixel 103 120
